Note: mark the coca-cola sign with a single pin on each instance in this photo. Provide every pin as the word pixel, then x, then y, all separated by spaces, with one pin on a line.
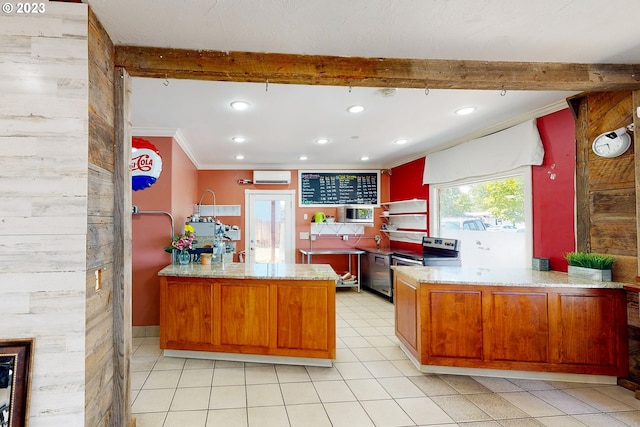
pixel 146 164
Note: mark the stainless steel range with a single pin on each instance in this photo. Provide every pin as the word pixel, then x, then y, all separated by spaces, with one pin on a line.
pixel 436 251
pixel 441 251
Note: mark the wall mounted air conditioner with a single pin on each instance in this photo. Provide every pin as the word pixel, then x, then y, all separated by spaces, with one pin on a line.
pixel 271 177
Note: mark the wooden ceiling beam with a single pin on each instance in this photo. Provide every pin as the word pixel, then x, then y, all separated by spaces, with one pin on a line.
pixel 374 72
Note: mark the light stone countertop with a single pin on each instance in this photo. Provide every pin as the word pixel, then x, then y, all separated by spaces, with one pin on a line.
pixel 500 277
pixel 236 270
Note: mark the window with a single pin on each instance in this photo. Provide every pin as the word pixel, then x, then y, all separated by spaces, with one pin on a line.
pixel 491 216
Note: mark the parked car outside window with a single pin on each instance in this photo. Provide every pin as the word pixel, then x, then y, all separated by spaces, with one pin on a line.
pixel 503 227
pixel 474 224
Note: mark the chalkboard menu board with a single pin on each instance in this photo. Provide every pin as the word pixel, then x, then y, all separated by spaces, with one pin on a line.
pixel 326 188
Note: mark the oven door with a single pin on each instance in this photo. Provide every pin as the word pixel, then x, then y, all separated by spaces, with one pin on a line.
pixel 399 260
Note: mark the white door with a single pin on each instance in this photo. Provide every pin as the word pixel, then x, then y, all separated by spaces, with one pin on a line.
pixel 270 226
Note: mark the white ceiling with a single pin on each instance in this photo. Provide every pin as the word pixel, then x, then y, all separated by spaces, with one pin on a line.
pixel 284 120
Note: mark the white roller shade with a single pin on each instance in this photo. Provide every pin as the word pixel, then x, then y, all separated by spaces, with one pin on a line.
pixel 502 151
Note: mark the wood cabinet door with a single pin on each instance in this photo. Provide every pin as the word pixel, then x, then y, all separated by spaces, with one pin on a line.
pixel 588 329
pixel 405 296
pixel 302 317
pixel 188 313
pixel 517 326
pixel 455 324
pixel 244 314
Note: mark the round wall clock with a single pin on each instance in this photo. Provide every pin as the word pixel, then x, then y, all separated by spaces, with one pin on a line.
pixel 611 144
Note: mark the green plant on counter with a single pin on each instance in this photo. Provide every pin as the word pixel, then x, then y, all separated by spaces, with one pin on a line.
pixel 590 260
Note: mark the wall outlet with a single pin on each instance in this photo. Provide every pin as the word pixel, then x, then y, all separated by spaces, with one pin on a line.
pixel 304 235
pixel 305 217
pixel 345 237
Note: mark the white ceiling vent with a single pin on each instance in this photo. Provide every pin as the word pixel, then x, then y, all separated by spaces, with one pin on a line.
pixel 271 177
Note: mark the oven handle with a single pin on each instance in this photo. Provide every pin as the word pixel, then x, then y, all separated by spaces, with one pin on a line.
pixel 404 261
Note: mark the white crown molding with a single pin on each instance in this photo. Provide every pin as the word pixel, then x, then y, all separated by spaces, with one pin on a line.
pixel 258 166
pixel 182 141
pixel 174 133
pixel 540 112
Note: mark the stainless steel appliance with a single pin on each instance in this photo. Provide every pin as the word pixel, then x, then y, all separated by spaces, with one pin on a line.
pixel 355 214
pixel 376 271
pixel 441 251
pixel 436 251
pixel 404 258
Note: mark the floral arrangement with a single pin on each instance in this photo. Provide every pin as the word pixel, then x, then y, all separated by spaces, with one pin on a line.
pixel 183 242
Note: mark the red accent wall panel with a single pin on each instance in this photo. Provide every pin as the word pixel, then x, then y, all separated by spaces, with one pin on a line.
pixel 406 184
pixel 554 190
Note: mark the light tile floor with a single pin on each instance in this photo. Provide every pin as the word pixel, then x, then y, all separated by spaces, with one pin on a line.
pixel 371 383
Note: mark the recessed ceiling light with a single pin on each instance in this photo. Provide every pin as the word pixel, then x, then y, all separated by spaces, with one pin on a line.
pixel 303 157
pixel 239 157
pixel 401 141
pixel 239 105
pixel 322 141
pixel 465 110
pixel 364 158
pixel 355 109
pixel 238 139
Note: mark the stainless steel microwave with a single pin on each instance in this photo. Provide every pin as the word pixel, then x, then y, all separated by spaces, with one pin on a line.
pixel 355 214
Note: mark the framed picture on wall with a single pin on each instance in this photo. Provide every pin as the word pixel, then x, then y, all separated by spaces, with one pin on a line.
pixel 16 358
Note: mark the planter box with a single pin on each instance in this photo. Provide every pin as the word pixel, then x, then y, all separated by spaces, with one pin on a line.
pixel 590 273
pixel 540 264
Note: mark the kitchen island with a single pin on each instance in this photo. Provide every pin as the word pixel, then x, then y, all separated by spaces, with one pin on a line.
pixel 271 313
pixel 511 323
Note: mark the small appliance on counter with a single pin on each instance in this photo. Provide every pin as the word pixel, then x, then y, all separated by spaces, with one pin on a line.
pixel 356 213
pixel 319 217
pixel 215 238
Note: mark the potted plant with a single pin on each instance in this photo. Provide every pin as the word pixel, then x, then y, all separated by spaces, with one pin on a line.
pixel 590 265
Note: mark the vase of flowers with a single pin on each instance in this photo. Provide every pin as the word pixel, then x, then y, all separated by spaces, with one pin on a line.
pixel 180 245
pixel 184 257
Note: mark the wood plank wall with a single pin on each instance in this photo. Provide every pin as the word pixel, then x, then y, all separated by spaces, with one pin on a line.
pixel 605 188
pixel 606 199
pixel 122 289
pixel 99 369
pixel 43 207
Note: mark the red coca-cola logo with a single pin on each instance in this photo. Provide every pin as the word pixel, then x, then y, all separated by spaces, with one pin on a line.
pixel 143 163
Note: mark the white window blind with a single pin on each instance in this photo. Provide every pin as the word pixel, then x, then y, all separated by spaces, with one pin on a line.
pixel 502 151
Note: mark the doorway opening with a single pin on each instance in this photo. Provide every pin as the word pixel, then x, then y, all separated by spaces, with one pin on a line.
pixel 270 226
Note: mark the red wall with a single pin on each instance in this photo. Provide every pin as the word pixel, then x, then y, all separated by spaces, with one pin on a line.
pixel 553 199
pixel 554 190
pixel 406 184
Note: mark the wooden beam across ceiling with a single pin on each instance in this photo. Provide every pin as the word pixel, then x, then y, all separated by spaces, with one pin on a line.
pixel 374 72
